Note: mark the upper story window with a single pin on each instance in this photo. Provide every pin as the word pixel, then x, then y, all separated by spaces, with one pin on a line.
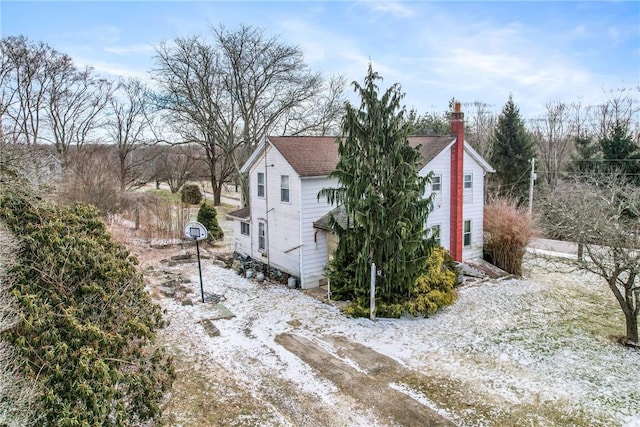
pixel 260 184
pixel 468 180
pixel 436 183
pixel 284 188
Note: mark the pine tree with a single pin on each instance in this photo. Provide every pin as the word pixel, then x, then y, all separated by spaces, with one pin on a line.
pixel 513 147
pixel 208 217
pixel 382 197
pixel 587 155
pixel 620 153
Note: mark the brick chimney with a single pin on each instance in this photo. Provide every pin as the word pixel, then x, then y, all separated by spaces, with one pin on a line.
pixel 457 172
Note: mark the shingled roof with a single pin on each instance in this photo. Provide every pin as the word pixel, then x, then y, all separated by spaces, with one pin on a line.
pixel 318 155
pixel 430 146
pixel 308 155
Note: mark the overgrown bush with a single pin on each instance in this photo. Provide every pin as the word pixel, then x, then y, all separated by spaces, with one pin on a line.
pixel 86 332
pixel 90 180
pixel 208 217
pixel 433 290
pixel 191 194
pixel 508 229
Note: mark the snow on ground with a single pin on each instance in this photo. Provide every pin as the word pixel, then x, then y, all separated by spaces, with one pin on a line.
pixel 545 341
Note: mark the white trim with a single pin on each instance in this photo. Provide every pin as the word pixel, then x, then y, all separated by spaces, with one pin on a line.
pixel 478 158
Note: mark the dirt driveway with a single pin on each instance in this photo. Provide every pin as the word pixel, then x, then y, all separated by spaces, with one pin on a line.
pixel 247 376
pixel 369 377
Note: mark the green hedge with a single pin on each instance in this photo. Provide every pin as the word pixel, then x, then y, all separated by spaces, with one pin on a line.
pixel 87 329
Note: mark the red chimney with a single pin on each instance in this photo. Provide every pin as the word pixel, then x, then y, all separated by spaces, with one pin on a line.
pixel 457 172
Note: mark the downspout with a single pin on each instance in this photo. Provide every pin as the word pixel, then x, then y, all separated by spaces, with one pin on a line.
pixel 301 252
pixel 266 208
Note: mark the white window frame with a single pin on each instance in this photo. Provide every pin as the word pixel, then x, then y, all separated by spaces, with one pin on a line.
pixel 466 235
pixel 468 183
pixel 438 185
pixel 261 185
pixel 245 228
pixel 436 233
pixel 284 188
pixel 262 236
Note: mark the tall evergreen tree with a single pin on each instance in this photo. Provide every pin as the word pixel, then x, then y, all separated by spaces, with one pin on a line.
pixel 512 149
pixel 620 153
pixel 381 193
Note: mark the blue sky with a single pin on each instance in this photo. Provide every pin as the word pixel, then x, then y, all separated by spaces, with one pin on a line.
pixel 538 51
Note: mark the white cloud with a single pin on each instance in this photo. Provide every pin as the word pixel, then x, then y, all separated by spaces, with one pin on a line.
pixel 397 9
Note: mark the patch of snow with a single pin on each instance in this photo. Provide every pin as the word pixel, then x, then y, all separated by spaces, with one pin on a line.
pixel 423 400
pixel 519 341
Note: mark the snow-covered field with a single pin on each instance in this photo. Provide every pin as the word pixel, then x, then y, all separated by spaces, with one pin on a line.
pixel 516 352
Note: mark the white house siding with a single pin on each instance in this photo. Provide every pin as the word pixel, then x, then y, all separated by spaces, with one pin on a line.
pixel 282 233
pixel 242 243
pixel 472 208
pixel 474 211
pixel 314 248
pixel 440 165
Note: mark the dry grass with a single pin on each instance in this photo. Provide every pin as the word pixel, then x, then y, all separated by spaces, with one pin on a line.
pixel 150 217
pixel 508 229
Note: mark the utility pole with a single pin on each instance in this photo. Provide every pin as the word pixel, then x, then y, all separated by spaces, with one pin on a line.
pixel 532 179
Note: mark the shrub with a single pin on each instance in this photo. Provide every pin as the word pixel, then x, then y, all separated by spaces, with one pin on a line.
pixel 191 194
pixel 433 290
pixel 90 180
pixel 208 217
pixel 86 335
pixel 508 229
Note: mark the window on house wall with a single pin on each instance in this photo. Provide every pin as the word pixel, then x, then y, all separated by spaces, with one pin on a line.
pixel 435 233
pixel 262 236
pixel 467 233
pixel 260 184
pixel 284 188
pixel 244 228
pixel 468 180
pixel 436 183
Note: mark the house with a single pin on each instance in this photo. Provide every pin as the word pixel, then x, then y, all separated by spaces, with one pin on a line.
pixel 284 228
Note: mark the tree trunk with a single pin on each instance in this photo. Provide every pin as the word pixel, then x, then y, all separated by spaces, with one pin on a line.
pixel 214 189
pixel 244 187
pixel 123 174
pixel 217 194
pixel 632 327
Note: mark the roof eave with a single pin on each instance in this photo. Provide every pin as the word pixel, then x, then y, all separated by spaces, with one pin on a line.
pixel 246 167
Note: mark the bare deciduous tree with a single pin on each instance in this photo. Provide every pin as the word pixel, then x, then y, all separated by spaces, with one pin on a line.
pixel 46 98
pixel 553 134
pixel 481 122
pixel 202 111
pixel 176 165
pixel 75 99
pixel 602 216
pixel 24 87
pixel 128 126
pixel 229 95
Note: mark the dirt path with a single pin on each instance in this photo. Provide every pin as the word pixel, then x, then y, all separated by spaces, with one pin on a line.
pixel 367 378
